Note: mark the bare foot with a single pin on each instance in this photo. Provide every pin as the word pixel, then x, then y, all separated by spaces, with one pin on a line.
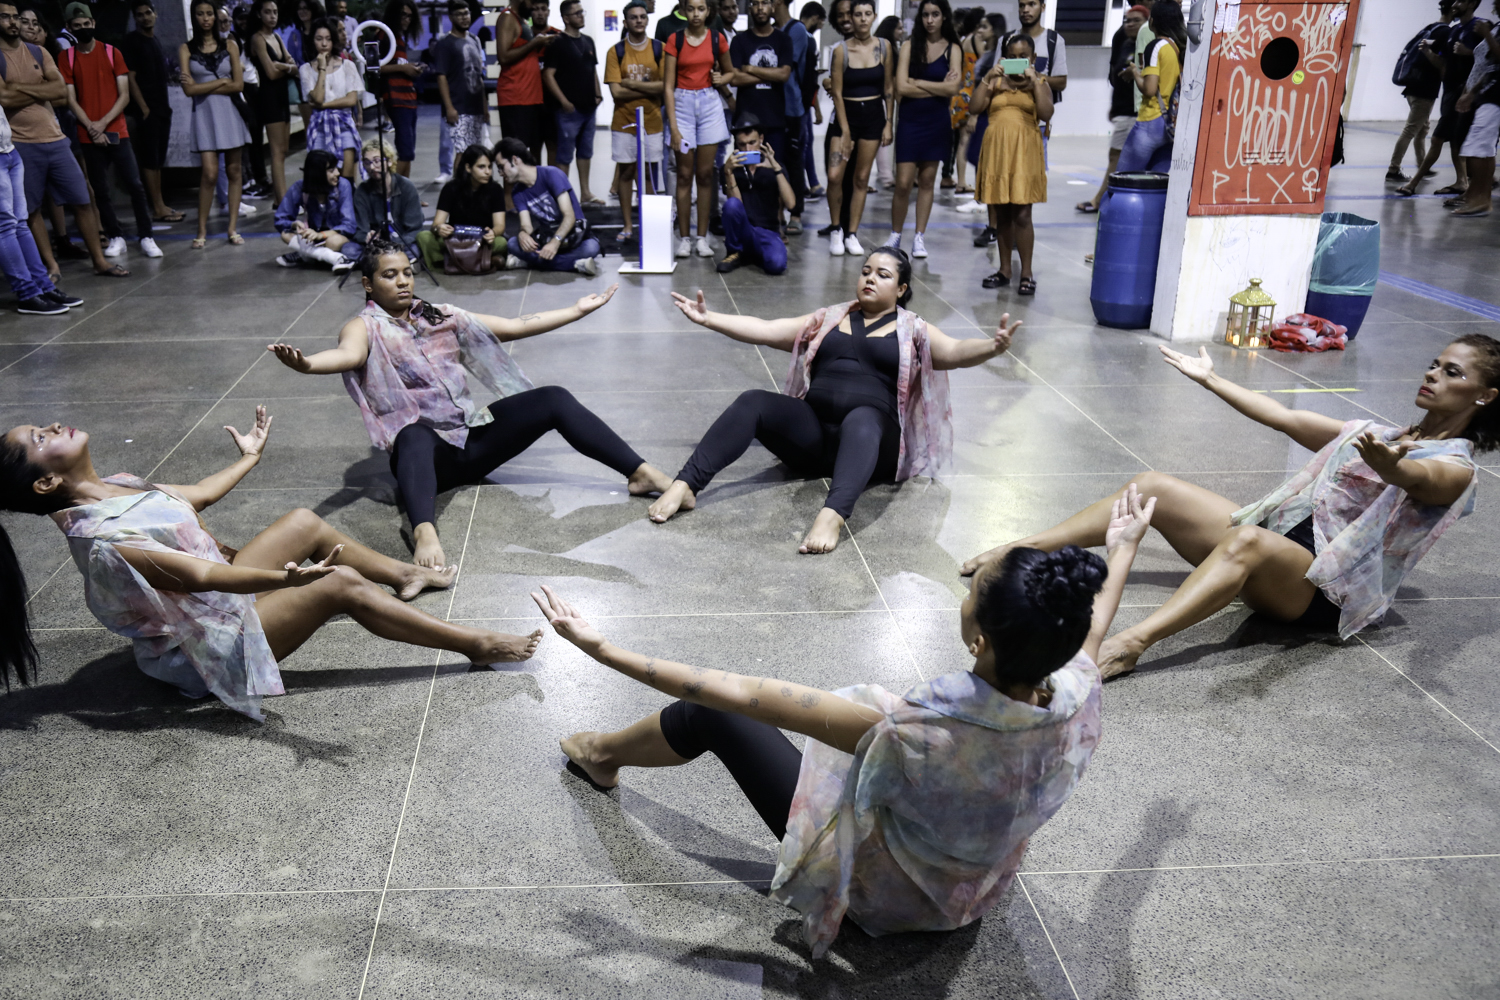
pixel 580 750
pixel 823 536
pixel 983 559
pixel 676 497
pixel 647 479
pixel 429 551
pixel 1117 655
pixel 498 647
pixel 420 578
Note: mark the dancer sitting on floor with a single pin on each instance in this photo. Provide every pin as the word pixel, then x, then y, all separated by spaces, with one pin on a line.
pixel 865 398
pixel 1328 548
pixel 205 617
pixel 408 365
pixel 920 824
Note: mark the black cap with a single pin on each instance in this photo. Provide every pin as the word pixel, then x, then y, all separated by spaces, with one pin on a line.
pixel 744 121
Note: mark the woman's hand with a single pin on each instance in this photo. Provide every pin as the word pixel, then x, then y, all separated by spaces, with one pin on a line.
pixel 185 78
pixel 301 576
pixel 695 310
pixel 443 231
pixel 1128 520
pixel 1382 457
pixel 589 303
pixel 846 147
pixel 885 133
pixel 1004 333
pixel 1199 369
pixel 567 622
pixel 254 442
pixel 291 357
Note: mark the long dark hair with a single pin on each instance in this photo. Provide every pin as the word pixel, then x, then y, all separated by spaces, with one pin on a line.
pixel 17 474
pixel 1167 22
pixel 1484 428
pixel 468 159
pixel 195 41
pixel 328 24
pixel 887 29
pixel 1036 609
pixel 903 270
pixel 392 18
pixel 916 63
pixel 315 169
pixel 49 37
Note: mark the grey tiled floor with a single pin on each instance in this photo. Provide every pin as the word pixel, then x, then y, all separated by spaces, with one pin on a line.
pixel 1266 816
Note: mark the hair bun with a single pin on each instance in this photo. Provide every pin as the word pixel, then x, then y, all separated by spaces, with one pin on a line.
pixel 1063 584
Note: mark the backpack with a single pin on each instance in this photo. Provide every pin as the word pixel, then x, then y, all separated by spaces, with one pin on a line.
pixel 1412 68
pixel 36 53
pixel 1051 55
pixel 71 53
pixel 679 40
pixel 656 51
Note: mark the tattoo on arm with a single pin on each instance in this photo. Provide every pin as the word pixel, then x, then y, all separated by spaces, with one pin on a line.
pixel 809 700
pixel 651 668
pixel 693 687
pixel 754 702
pixel 529 317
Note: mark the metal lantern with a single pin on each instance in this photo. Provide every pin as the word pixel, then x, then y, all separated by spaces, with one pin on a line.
pixel 1250 317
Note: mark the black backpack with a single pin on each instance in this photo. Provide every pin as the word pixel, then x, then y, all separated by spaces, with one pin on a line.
pixel 1051 55
pixel 1412 67
pixel 679 40
pixel 656 51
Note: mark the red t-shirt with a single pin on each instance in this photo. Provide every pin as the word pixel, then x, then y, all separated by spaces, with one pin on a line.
pixel 92 76
pixel 696 62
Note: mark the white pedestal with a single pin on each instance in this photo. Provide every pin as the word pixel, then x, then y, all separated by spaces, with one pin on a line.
pixel 654 229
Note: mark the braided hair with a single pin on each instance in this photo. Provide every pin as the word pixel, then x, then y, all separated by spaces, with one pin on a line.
pixel 1036 608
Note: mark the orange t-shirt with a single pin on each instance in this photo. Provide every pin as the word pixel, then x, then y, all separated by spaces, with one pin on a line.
pixel 695 63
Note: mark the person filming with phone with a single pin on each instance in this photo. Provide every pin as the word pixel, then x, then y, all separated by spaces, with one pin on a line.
pixel 756 189
pixel 1012 174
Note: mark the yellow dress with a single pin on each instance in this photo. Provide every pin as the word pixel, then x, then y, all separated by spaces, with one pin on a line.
pixel 1011 169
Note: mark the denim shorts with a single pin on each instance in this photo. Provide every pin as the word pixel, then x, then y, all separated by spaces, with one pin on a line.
pixel 622 146
pixel 51 169
pixel 700 117
pixel 575 134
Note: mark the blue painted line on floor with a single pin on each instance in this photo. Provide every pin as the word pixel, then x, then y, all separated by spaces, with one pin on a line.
pixel 1476 306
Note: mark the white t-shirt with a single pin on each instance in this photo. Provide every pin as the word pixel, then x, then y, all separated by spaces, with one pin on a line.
pixel 342 79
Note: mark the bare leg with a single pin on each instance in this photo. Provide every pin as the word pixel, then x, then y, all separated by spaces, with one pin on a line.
pixel 207 179
pixel 291 616
pixel 277 138
pixel 963 159
pixel 1024 235
pixel 601 755
pixel 926 183
pixel 624 190
pixel 835 186
pixel 301 534
pixel 864 159
pixel 823 536
pixel 1481 173
pixel 1114 161
pixel 87 217
pixel 708 190
pixel 151 177
pixel 351 165
pixel 1425 164
pixel 44 245
pixel 677 496
pixel 1005 237
pixel 236 188
pixel 906 175
pixel 583 177
pixel 685 193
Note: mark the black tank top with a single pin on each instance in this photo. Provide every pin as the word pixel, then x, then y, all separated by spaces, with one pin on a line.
pixel 853 369
pixel 866 82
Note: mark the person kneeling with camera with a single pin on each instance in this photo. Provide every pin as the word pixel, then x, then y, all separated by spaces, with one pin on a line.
pixel 756 189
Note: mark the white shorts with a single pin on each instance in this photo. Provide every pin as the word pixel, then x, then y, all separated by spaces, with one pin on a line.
pixel 1480 142
pixel 1120 127
pixel 622 147
pixel 700 117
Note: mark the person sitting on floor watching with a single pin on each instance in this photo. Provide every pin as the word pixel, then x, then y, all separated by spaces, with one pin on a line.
pixel 406 220
pixel 471 199
pixel 554 234
pixel 328 200
pixel 756 189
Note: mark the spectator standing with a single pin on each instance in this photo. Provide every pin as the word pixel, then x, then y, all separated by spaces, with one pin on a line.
pixel 519 89
pixel 331 86
pixel 762 60
pixel 35 293
pixel 211 72
pixel 149 113
pixel 894 32
pixel 695 118
pixel 299 42
pixel 633 71
pixel 541 12
pixel 400 76
pixel 1012 173
pixel 676 20
pixel 32 84
pixel 1421 86
pixel 928 74
pixel 756 189
pixel 571 76
pixel 471 199
pixel 458 62
pixel 1481 98
pixel 977 40
pixel 278 73
pixel 1455 55
pixel 339 9
pixel 258 185
pixel 405 222
pixel 799 35
pixel 839 18
pixel 1148 147
pixel 863 100
pixel 1122 110
pixel 554 235
pixel 98 90
pixel 1051 52
pixel 327 200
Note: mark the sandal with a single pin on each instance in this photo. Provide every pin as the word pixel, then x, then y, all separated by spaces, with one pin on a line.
pixel 996 280
pixel 1406 191
pixel 947 182
pixel 963 189
pixel 172 216
pixel 236 240
pixel 1086 207
pixel 1452 189
pixel 199 244
pixel 115 271
pixel 1473 213
pixel 1027 286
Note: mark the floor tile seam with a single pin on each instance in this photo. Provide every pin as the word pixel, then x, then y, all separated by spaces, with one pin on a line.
pixel 64 332
pixel 1435 700
pixel 1234 865
pixel 182 399
pixel 416 756
pixel 1313 381
pixel 895 622
pixel 1021 881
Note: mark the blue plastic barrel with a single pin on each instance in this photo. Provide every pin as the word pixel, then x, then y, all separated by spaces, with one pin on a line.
pixel 1126 248
pixel 1345 310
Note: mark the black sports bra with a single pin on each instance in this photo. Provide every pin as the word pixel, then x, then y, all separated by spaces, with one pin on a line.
pixel 868 81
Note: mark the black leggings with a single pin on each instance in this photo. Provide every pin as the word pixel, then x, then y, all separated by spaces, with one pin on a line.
pixel 762 761
pixel 426 465
pixel 864 446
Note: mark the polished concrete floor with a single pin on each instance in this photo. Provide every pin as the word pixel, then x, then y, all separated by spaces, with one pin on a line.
pixel 1266 816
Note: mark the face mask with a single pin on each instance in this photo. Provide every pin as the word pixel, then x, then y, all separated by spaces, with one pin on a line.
pixel 84 35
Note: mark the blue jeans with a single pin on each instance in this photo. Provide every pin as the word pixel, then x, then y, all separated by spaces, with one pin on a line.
pixel 564 260
pixel 809 161
pixel 18 257
pixel 1147 148
pixel 445 144
pixel 575 132
pixel 757 245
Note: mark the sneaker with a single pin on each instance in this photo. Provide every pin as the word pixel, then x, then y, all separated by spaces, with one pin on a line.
pixel 893 240
pixel 854 246
pixel 985 238
pixel 816 191
pixel 588 266
pixel 247 209
pixel 1395 174
pixel 62 298
pixel 919 246
pixel 703 247
pixel 731 263
pixel 290 260
pixel 115 246
pixel 514 263
pixel 442 179
pixel 40 306
pixel 684 247
pixel 344 266
pixel 828 229
pixel 836 242
pixel 149 247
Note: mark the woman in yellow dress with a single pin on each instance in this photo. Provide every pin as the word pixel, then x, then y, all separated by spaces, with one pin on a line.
pixel 1012 174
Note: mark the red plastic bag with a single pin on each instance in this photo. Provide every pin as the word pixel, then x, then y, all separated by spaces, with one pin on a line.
pixel 1306 333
